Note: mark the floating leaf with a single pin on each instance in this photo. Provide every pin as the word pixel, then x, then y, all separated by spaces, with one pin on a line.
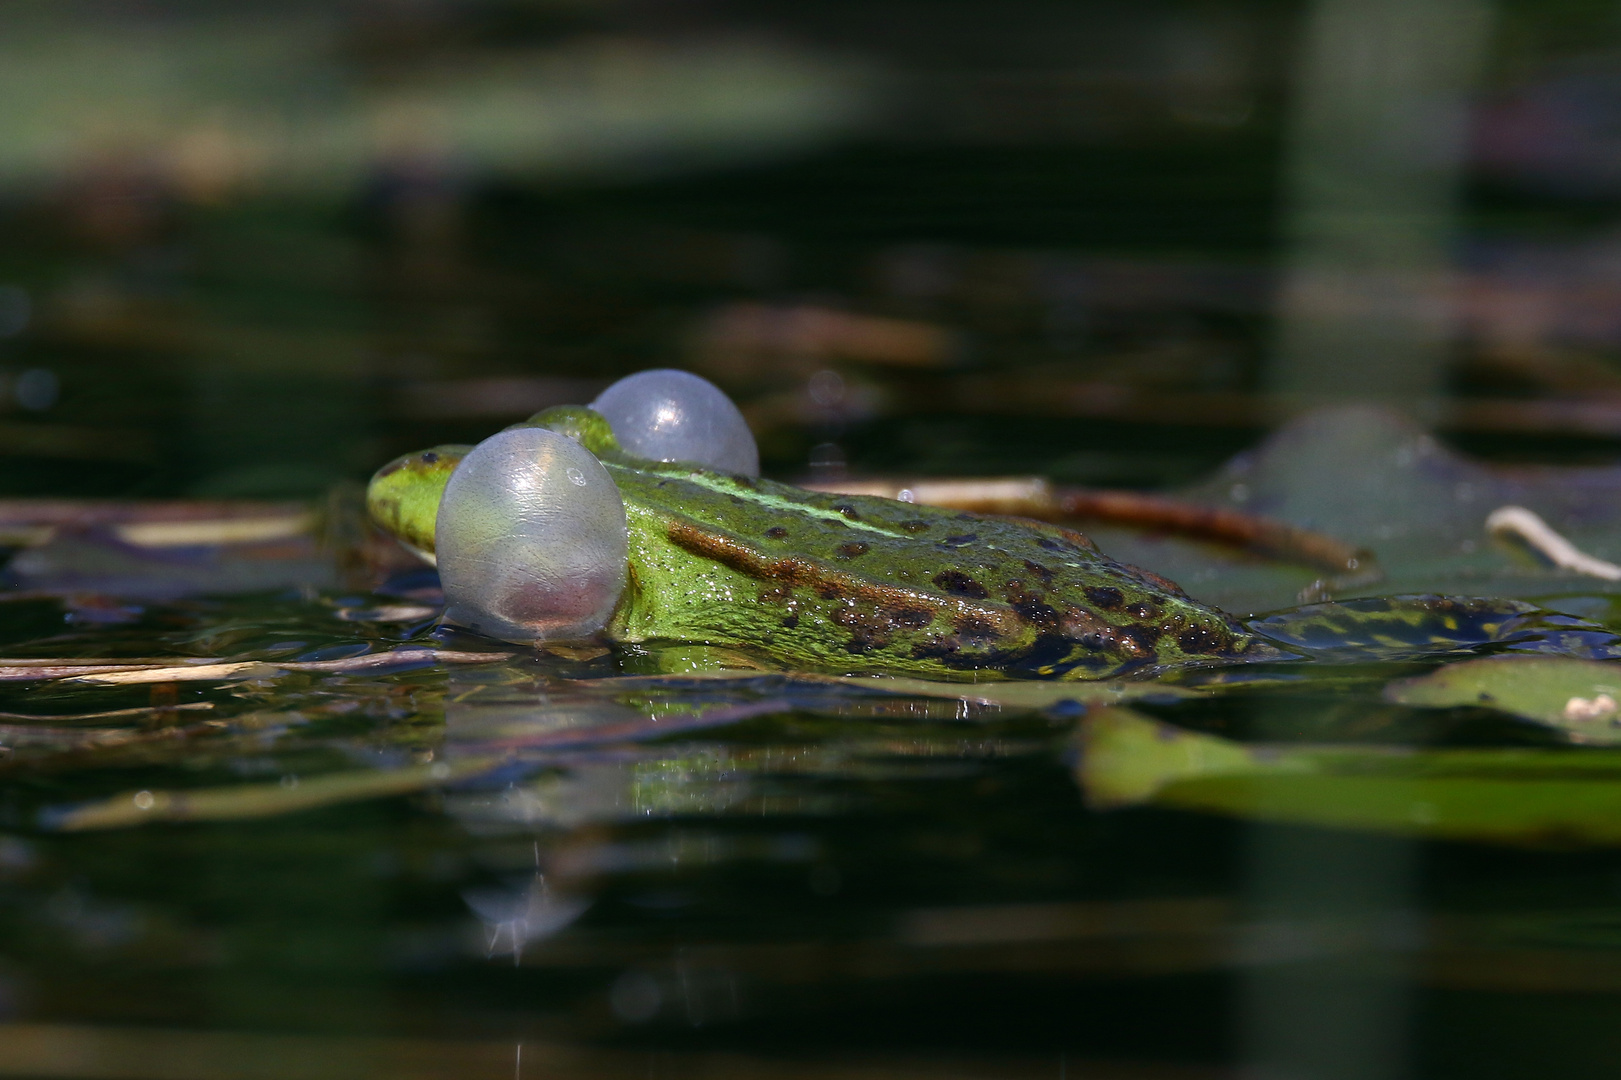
pixel 1519 796
pixel 1578 696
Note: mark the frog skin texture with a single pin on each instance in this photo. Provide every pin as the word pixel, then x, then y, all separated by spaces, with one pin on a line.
pixel 856 583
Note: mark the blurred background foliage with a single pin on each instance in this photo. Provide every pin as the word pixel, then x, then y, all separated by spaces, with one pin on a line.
pixel 255 250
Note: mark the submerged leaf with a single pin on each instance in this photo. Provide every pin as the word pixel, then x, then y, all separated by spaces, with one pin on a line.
pixel 256 800
pixel 1404 627
pixel 105 714
pixel 1578 696
pixel 1127 759
pixel 1532 797
pixel 1013 694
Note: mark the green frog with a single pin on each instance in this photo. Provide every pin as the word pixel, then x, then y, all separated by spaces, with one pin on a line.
pixel 853 583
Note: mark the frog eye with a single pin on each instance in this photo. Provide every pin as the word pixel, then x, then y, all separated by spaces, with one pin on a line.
pixel 531 539
pixel 669 415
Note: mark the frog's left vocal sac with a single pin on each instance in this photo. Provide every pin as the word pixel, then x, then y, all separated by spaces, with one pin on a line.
pixel 551 530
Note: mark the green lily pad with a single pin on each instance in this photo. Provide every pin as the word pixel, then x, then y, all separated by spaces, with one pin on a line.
pixel 1527 797
pixel 1582 697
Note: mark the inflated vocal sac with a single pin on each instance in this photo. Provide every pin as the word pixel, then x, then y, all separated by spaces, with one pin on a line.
pixel 531 539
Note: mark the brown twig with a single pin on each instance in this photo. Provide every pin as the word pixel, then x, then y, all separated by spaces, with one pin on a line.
pixel 1261 535
pixel 1034 497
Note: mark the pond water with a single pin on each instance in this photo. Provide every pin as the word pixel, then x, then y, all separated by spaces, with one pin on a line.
pixel 263 816
pixel 298 828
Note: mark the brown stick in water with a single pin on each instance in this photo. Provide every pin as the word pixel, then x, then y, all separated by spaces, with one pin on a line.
pixel 1034 497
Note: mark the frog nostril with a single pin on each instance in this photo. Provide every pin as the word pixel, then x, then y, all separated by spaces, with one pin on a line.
pixel 851 550
pixel 777 532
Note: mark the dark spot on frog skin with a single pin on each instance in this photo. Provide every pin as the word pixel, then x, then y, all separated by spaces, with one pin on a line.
pixel 915 526
pixel 909 618
pixel 777 532
pixel 429 457
pixel 1106 597
pixel 877 623
pixel 1032 607
pixel 972 626
pixel 1040 571
pixel 852 550
pixel 960 584
pixel 1202 639
pixel 1037 612
pixel 1143 610
pixel 848 511
pixel 1050 544
pixel 1104 642
pixel 1049 656
pixel 868 631
pixel 1146 637
pixel 1095 634
pixel 790 621
pixel 958 541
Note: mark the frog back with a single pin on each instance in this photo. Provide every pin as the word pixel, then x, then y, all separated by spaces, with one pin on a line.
pixel 866 583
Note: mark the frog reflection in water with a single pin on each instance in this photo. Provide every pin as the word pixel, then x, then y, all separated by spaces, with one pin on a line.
pixel 853 583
